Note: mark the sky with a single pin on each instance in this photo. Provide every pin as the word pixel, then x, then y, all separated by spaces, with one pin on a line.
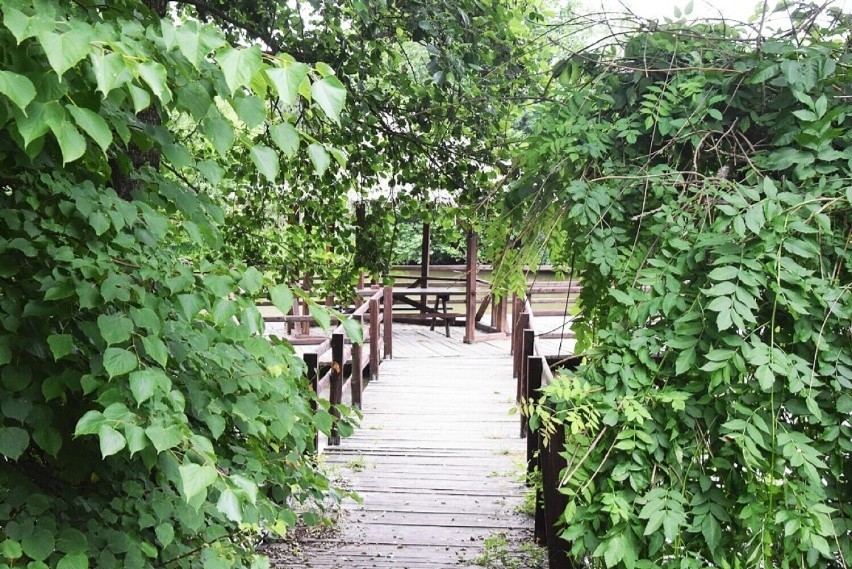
pixel 740 10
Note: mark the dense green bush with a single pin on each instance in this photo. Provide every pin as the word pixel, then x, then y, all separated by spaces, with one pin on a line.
pixel 704 182
pixel 144 418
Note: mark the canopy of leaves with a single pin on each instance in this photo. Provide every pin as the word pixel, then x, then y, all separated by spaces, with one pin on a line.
pixel 144 418
pixel 698 177
pixel 434 90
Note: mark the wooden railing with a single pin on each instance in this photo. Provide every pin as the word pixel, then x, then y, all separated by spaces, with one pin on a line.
pixel 533 372
pixel 348 366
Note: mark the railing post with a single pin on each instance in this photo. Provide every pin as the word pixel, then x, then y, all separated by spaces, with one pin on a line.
pixel 535 366
pixel 518 342
pixel 551 465
pixel 374 339
pixel 312 362
pixel 529 341
pixel 336 385
pixel 472 265
pixel 357 370
pixel 387 320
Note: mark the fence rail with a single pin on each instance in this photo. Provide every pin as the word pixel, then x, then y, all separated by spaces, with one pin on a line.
pixel 348 366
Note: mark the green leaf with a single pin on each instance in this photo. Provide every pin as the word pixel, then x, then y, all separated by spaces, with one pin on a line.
pixel 110 70
pixel 266 161
pixel 229 504
pixel 115 328
pixel 353 329
pixel 321 315
pixel 65 50
pixel 252 281
pixel 10 549
pixel 805 115
pixel 195 41
pixel 220 133
pixel 48 439
pixel 156 349
pixel 287 80
pixel 330 94
pixel 238 65
pixel 111 441
pixel 119 362
pixel 685 361
pixel 285 137
pixel 89 424
pixel 18 88
pixel 13 442
pixel 164 438
pixel 725 273
pixel 71 142
pixel 144 383
pixel 165 533
pixel 141 98
pixel 319 157
pixel 156 76
pixel 282 297
pixel 196 478
pixel 17 22
pixel 613 550
pixel 76 560
pixel 136 438
pixel 38 545
pixel 60 345
pixel 765 377
pixel 92 124
pixel 251 110
pixel 248 487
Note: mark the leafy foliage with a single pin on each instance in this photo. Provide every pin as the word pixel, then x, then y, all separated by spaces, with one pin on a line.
pixel 144 418
pixel 435 91
pixel 700 181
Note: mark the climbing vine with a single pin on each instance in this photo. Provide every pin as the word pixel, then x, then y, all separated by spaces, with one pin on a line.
pixel 699 179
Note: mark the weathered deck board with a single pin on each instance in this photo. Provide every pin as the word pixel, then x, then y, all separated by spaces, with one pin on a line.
pixel 436 461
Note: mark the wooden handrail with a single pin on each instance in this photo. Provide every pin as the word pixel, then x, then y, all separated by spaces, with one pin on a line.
pixel 534 373
pixel 335 378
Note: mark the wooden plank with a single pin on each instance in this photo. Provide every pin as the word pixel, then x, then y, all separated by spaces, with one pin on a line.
pixel 437 476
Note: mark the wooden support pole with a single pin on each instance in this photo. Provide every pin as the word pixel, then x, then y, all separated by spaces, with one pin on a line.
pixel 387 320
pixel 312 363
pixel 374 339
pixel 518 351
pixel 357 370
pixel 471 269
pixel 425 248
pixel 551 465
pixel 358 300
pixel 498 314
pixel 527 352
pixel 535 367
pixel 336 385
pixel 305 327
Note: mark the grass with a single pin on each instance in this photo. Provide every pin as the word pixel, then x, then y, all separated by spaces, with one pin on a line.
pixel 357 464
pixel 503 552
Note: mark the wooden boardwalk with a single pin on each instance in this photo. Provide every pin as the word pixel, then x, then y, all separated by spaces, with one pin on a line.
pixel 437 461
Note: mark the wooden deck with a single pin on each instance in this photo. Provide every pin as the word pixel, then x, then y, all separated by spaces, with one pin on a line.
pixel 436 461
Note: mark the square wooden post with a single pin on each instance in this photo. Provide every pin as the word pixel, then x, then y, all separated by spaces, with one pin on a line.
pixel 425 247
pixel 471 271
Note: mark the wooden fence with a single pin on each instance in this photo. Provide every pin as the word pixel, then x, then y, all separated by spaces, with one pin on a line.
pixel 533 371
pixel 347 366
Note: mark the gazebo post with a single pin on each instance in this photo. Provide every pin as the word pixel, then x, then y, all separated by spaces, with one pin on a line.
pixel 471 271
pixel 425 246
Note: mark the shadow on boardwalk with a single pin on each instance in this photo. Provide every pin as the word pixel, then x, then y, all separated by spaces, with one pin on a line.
pixel 437 462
